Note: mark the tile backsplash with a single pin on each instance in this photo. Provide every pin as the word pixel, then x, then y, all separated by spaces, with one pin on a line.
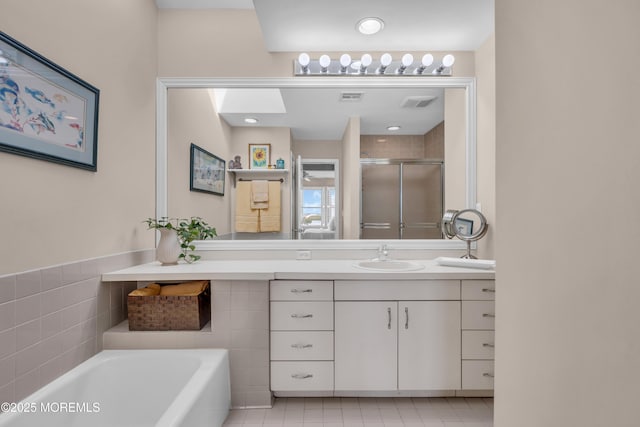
pixel 52 319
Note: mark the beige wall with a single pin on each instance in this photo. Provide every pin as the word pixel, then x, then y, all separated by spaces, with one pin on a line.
pixel 51 213
pixel 316 149
pixel 193 119
pixel 350 179
pixel 567 155
pixel 486 103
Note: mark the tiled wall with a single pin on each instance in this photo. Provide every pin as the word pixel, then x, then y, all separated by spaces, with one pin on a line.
pixel 52 319
pixel 239 323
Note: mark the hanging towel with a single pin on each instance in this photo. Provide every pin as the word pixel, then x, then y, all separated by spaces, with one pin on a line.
pixel 270 218
pixel 259 194
pixel 246 218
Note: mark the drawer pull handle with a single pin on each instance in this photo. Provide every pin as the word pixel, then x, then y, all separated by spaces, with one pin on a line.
pixel 301 376
pixel 389 316
pixel 487 375
pixel 406 314
pixel 488 315
pixel 301 316
pixel 488 345
pixel 488 290
pixel 299 345
pixel 301 291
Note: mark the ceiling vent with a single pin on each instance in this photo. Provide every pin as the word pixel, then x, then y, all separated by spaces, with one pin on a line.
pixel 417 101
pixel 351 96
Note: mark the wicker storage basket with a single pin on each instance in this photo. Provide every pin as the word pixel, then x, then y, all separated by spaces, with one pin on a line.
pixel 168 312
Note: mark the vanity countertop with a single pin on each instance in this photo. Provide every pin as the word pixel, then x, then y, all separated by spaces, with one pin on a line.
pixel 287 269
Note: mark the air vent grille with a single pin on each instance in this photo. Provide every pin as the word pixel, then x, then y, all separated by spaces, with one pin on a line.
pixel 417 101
pixel 351 96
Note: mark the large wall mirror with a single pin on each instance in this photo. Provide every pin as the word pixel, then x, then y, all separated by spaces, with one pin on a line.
pixel 317 134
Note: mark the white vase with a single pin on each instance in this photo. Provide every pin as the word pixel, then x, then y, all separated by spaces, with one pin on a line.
pixel 168 250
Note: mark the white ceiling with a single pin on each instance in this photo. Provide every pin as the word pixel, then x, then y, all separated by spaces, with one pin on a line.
pixel 329 26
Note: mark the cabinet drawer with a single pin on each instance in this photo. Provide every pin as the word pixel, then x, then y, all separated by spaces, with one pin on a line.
pixel 479 290
pixel 478 315
pixel 306 345
pixel 301 290
pixel 477 374
pixel 477 344
pixel 301 376
pixel 302 316
pixel 390 290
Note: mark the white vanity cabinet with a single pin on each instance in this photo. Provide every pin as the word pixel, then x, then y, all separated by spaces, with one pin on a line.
pixel 478 317
pixel 397 335
pixel 301 334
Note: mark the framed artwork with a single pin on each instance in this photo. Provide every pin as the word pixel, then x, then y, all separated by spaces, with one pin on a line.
pixel 46 112
pixel 259 156
pixel 207 172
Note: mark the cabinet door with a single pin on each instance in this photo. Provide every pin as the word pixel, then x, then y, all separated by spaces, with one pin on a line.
pixel 366 345
pixel 429 345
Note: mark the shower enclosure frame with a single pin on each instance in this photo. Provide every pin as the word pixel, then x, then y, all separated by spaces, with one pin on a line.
pixel 401 163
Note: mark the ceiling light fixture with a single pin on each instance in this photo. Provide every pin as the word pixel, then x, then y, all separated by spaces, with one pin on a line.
pixel 385 65
pixel 370 25
pixel 393 128
pixel 251 120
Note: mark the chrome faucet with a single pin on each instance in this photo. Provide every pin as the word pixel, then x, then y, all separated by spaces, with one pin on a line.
pixel 383 252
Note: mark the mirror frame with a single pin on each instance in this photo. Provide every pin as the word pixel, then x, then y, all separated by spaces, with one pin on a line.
pixel 163 84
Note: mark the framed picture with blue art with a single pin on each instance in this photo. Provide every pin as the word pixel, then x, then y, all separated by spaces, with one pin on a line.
pixel 207 172
pixel 46 112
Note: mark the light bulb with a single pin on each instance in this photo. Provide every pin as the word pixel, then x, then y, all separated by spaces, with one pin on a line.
pixel 324 61
pixel 407 59
pixel 345 61
pixel 365 61
pixel 385 60
pixel 427 60
pixel 304 59
pixel 448 60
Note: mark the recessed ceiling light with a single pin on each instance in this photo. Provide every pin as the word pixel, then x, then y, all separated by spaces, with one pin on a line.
pixel 370 25
pixel 251 120
pixel 392 128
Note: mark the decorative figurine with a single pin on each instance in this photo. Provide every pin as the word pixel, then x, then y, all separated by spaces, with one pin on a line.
pixel 237 164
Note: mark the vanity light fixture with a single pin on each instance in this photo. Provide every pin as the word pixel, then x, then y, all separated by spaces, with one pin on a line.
pixel 369 26
pixel 251 120
pixel 385 65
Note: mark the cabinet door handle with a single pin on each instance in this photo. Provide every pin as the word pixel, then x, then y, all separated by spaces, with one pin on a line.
pixel 487 375
pixel 301 291
pixel 301 376
pixel 301 316
pixel 488 315
pixel 406 317
pixel 488 345
pixel 389 316
pixel 488 290
pixel 300 345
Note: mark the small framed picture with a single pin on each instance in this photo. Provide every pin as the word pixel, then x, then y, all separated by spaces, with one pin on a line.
pixel 464 227
pixel 207 172
pixel 259 156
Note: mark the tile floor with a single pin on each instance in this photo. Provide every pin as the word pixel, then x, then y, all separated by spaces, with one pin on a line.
pixel 361 412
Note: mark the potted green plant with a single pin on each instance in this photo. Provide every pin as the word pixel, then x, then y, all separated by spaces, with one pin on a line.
pixel 177 236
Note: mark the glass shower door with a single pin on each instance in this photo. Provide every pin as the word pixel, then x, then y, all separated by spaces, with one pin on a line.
pixel 422 200
pixel 380 201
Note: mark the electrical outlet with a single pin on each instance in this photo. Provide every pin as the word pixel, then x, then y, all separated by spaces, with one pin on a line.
pixel 303 254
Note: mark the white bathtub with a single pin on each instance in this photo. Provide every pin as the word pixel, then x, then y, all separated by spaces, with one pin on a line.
pixel 133 388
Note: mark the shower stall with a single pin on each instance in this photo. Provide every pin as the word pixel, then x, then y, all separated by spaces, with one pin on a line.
pixel 401 199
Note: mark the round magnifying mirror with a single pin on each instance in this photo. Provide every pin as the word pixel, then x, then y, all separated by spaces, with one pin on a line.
pixel 469 225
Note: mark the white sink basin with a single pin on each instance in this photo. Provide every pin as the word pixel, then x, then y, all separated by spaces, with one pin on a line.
pixel 388 265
